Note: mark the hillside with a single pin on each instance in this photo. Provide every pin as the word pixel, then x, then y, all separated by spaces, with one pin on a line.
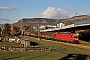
pixel 35 21
pixel 76 18
pixel 45 21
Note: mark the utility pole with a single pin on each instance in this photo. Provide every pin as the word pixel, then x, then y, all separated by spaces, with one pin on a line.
pixel 38 29
pixel 74 21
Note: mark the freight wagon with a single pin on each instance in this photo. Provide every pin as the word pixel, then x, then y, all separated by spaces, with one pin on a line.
pixel 73 38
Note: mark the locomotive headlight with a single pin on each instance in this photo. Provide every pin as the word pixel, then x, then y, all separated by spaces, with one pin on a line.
pixel 77 33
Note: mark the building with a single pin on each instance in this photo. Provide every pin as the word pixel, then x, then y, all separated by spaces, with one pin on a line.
pixel 25 42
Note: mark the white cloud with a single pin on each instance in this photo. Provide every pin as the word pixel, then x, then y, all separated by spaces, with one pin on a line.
pixel 4 8
pixel 4 20
pixel 57 13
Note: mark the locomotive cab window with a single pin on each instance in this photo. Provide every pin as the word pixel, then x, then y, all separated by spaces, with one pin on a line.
pixel 75 36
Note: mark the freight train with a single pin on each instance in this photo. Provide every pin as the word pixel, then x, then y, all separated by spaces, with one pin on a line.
pixel 66 37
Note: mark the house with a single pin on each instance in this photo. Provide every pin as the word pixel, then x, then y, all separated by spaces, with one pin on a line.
pixel 25 42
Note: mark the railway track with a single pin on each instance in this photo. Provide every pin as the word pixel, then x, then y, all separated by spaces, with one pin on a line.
pixel 81 45
pixel 85 44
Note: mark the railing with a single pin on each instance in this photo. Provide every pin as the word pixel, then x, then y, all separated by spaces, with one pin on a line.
pixel 82 22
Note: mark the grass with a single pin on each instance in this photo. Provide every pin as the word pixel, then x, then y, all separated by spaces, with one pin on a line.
pixel 55 45
pixel 28 55
pixel 7 44
pixel 39 55
pixel 32 55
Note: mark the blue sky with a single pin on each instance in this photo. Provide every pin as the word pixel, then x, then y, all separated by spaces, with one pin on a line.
pixel 13 10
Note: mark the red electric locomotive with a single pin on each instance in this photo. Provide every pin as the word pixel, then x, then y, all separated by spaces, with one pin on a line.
pixel 73 37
